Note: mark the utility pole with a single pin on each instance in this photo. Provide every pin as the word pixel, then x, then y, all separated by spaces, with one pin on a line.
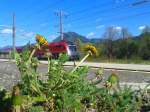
pixel 61 25
pixel 14 33
pixel 61 14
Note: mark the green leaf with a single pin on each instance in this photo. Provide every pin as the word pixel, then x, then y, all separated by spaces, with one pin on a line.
pixel 17 100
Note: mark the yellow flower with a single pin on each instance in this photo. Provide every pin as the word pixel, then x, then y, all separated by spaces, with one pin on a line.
pixel 91 49
pixel 41 40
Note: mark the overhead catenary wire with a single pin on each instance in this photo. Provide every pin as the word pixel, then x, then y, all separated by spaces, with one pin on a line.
pixel 59 1
pixel 91 7
pixel 140 2
pixel 37 12
pixel 129 5
pixel 82 11
pixel 92 16
pixel 90 24
pixel 114 19
pixel 120 7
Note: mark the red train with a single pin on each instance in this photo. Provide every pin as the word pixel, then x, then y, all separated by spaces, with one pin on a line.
pixel 54 48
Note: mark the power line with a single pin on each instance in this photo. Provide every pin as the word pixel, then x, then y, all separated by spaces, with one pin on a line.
pixel 109 9
pixel 89 8
pixel 100 5
pixel 115 17
pixel 91 17
pixel 86 9
pixel 43 9
pixel 139 2
pixel 119 18
pixel 102 11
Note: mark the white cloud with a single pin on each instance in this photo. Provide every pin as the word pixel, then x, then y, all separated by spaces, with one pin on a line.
pixel 6 31
pixel 90 35
pixel 100 26
pixel 5 26
pixel 141 27
pixel 118 28
pixel 28 34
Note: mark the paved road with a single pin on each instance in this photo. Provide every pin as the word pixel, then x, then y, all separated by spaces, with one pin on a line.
pixel 130 67
pixel 9 74
pixel 136 79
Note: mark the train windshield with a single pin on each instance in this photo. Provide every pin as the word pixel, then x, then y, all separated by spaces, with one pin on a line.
pixel 73 48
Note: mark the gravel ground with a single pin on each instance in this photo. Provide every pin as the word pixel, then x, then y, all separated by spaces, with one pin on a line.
pixel 9 75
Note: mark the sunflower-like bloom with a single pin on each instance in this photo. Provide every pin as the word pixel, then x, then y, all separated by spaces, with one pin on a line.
pixel 41 40
pixel 91 49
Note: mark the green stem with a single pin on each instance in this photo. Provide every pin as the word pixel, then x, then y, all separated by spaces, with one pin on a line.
pixel 37 89
pixel 32 53
pixel 80 63
pixel 49 64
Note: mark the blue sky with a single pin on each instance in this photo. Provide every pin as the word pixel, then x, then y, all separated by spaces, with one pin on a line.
pixel 86 17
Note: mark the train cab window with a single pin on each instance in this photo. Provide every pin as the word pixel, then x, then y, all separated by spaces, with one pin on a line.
pixel 60 47
pixel 73 48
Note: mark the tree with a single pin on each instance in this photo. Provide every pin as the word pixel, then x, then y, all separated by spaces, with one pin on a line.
pixel 125 35
pixel 144 50
pixel 78 43
pixel 146 29
pixel 80 46
pixel 133 47
pixel 110 35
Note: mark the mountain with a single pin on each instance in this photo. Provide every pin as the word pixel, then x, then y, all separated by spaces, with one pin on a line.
pixel 96 40
pixel 5 49
pixel 72 36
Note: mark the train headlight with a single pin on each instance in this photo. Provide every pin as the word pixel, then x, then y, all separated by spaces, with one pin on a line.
pixel 69 52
